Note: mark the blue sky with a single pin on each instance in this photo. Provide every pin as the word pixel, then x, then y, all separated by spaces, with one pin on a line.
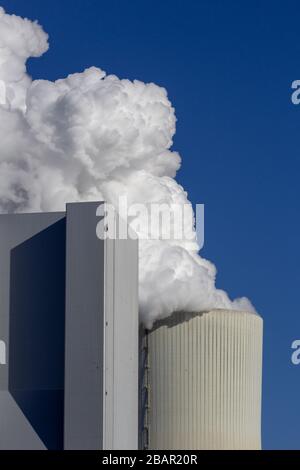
pixel 228 68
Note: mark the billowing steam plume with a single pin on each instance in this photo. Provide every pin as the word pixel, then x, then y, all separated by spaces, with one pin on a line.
pixel 94 137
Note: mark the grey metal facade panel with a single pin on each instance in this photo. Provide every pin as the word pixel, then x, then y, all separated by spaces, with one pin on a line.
pixel 84 330
pixel 16 432
pixel 28 397
pixel 205 381
pixel 121 345
pixel 101 378
pixel 15 229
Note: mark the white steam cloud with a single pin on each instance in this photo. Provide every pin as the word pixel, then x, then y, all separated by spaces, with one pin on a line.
pixel 94 137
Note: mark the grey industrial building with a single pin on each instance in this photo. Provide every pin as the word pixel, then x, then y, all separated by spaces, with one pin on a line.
pixel 69 327
pixel 76 372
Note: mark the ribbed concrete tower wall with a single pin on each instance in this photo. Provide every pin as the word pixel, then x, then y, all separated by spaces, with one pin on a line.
pixel 205 373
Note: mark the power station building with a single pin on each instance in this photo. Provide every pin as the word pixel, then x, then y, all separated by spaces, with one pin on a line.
pixel 69 323
pixel 77 372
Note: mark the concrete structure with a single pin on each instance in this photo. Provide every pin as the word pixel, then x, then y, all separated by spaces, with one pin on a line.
pixel 69 348
pixel 68 333
pixel 203 377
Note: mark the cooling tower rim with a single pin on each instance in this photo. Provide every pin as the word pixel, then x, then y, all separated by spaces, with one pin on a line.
pixel 229 310
pixel 182 316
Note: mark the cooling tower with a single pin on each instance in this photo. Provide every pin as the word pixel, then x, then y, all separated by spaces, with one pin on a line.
pixel 203 377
